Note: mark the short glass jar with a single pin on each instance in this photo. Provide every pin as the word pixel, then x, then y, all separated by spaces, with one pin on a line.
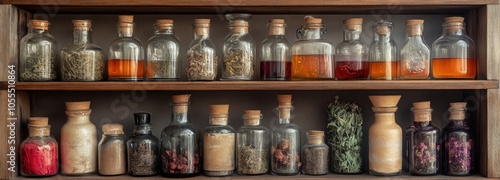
pixel 111 151
pixel 39 152
pixel 315 154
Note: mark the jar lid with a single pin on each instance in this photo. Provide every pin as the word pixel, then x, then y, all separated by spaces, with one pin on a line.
pixel 414 26
pixel 383 27
pixel 454 19
pixel 252 117
pixel 457 110
pixel 312 22
pixel 112 129
pixel 422 111
pixel 285 100
pixel 142 118
pixel 422 105
pixel 125 18
pixel 353 23
pixel 165 23
pixel 83 25
pixel 276 27
pixel 38 121
pixel 180 103
pixel 79 105
pixel 39 24
pixel 219 109
pixel 315 136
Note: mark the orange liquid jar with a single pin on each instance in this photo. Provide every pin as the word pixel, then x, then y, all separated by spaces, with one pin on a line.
pixel 454 67
pixel 383 70
pixel 125 68
pixel 383 54
pixel 311 66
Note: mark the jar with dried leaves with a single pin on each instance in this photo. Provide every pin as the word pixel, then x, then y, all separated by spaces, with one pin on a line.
pixel 111 150
pixel 239 49
pixel 315 154
pixel 163 60
pixel 201 55
pixel 252 145
pixel 142 147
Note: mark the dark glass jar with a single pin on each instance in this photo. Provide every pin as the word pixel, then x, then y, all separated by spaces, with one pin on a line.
pixel 142 147
pixel 315 154
pixel 39 147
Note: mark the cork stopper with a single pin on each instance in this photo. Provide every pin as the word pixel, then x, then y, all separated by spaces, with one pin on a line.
pixel 126 24
pixel 312 22
pixel 454 19
pixel 276 27
pixel 39 24
pixel 285 105
pixel 202 26
pixel 422 105
pixel 353 23
pixel 164 24
pixel 315 136
pixel 126 18
pixel 112 129
pixel 457 111
pixel 218 113
pixel 239 26
pixel 38 126
pixel 251 117
pixel 454 23
pixel 77 106
pixel 414 27
pixel 38 121
pixel 82 25
pixel 384 101
pixel 422 111
pixel 180 103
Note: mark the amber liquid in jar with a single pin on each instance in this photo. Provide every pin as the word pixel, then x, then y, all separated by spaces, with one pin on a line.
pixel 414 70
pixel 454 68
pixel 125 69
pixel 312 66
pixel 384 70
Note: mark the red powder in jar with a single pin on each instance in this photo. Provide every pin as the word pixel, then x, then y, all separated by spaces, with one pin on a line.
pixel 39 159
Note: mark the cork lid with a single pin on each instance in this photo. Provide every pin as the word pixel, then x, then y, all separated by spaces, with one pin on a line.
pixel 315 136
pixel 353 23
pixel 422 105
pixel 276 27
pixel 422 111
pixel 125 18
pixel 285 100
pixel 384 101
pixel 180 103
pixel 201 26
pixel 164 23
pixel 218 113
pixel 454 19
pixel 219 109
pixel 39 24
pixel 112 129
pixel 454 23
pixel 252 117
pixel 82 25
pixel 38 121
pixel 79 105
pixel 312 22
pixel 414 26
pixel 383 27
pixel 457 111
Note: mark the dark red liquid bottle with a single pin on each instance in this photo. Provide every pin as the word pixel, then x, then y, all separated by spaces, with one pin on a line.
pixel 345 70
pixel 275 70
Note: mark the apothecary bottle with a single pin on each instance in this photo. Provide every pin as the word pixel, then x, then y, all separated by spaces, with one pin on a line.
pixel 423 144
pixel 82 60
pixel 180 150
pixel 202 56
pixel 285 141
pixel 126 54
pixel 351 56
pixel 315 154
pixel 384 53
pixel 37 51
pixel 252 151
pixel 40 146
pixel 163 60
pixel 312 56
pixel 275 59
pixel 142 147
pixel 458 141
pixel 219 143
pixel 454 53
pixel 415 54
pixel 238 50
pixel 111 151
pixel 78 141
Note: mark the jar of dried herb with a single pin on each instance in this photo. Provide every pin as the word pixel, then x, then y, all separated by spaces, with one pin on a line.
pixel 82 60
pixel 315 154
pixel 239 49
pixel 37 51
pixel 163 60
pixel 252 145
pixel 201 55
pixel 142 147
pixel 111 150
pixel 39 152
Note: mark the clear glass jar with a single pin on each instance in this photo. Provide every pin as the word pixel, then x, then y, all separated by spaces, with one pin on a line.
pixel 252 145
pixel 82 60
pixel 415 54
pixel 202 56
pixel 275 60
pixel 219 143
pixel 37 51
pixel 111 150
pixel 126 55
pixel 315 154
pixel 239 49
pixel 459 146
pixel 39 152
pixel 351 56
pixel 384 53
pixel 163 60
pixel 454 53
pixel 142 147
pixel 180 150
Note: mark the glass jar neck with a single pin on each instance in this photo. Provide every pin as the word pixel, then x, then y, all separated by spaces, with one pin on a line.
pixel 415 38
pixel 454 30
pixel 385 38
pixel 218 119
pixel 160 31
pixel 284 114
pixel 37 31
pixel 125 29
pixel 78 116
pixel 421 123
pixel 180 113
pixel 457 114
pixel 143 129
pixel 201 33
pixel 39 131
pixel 81 37
pixel 312 33
pixel 385 115
pixel 351 34
pixel 422 114
pixel 458 123
pixel 315 140
pixel 239 30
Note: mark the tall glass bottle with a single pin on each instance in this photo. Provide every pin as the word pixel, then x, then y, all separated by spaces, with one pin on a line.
pixel 126 55
pixel 180 150
pixel 82 60
pixel 40 146
pixel 275 62
pixel 202 57
pixel 163 60
pixel 454 53
pixel 142 147
pixel 111 151
pixel 239 49
pixel 383 53
pixel 312 56
pixel 315 154
pixel 415 54
pixel 252 145
pixel 351 56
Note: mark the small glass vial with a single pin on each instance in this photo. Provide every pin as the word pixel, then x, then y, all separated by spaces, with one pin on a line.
pixel 142 147
pixel 37 51
pixel 315 154
pixel 202 56
pixel 252 145
pixel 163 60
pixel 312 56
pixel 82 60
pixel 423 144
pixel 285 141
pixel 219 143
pixel 111 150
pixel 459 147
pixel 40 146
pixel 275 62
pixel 384 53
pixel 454 53
pixel 351 56
pixel 239 49
pixel 126 55
pixel 415 54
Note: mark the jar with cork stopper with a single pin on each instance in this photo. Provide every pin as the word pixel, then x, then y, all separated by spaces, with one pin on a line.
pixel 285 140
pixel 275 60
pixel 180 145
pixel 202 59
pixel 111 151
pixel 458 143
pixel 423 142
pixel 384 53
pixel 238 50
pixel 142 147
pixel 126 54
pixel 315 154
pixel 252 153
pixel 162 52
pixel 82 60
pixel 351 56
pixel 38 53
pixel 415 54
pixel 39 152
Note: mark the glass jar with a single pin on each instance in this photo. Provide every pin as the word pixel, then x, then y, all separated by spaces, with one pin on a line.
pixel 252 145
pixel 163 60
pixel 275 62
pixel 180 150
pixel 111 150
pixel 218 143
pixel 39 152
pixel 383 53
pixel 37 53
pixel 239 49
pixel 454 53
pixel 315 154
pixel 82 60
pixel 126 55
pixel 285 141
pixel 78 141
pixel 415 54
pixel 201 55
pixel 459 148
pixel 423 144
pixel 351 56
pixel 142 147
pixel 312 56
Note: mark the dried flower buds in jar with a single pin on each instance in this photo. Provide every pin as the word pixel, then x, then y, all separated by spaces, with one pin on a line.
pixel 39 152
